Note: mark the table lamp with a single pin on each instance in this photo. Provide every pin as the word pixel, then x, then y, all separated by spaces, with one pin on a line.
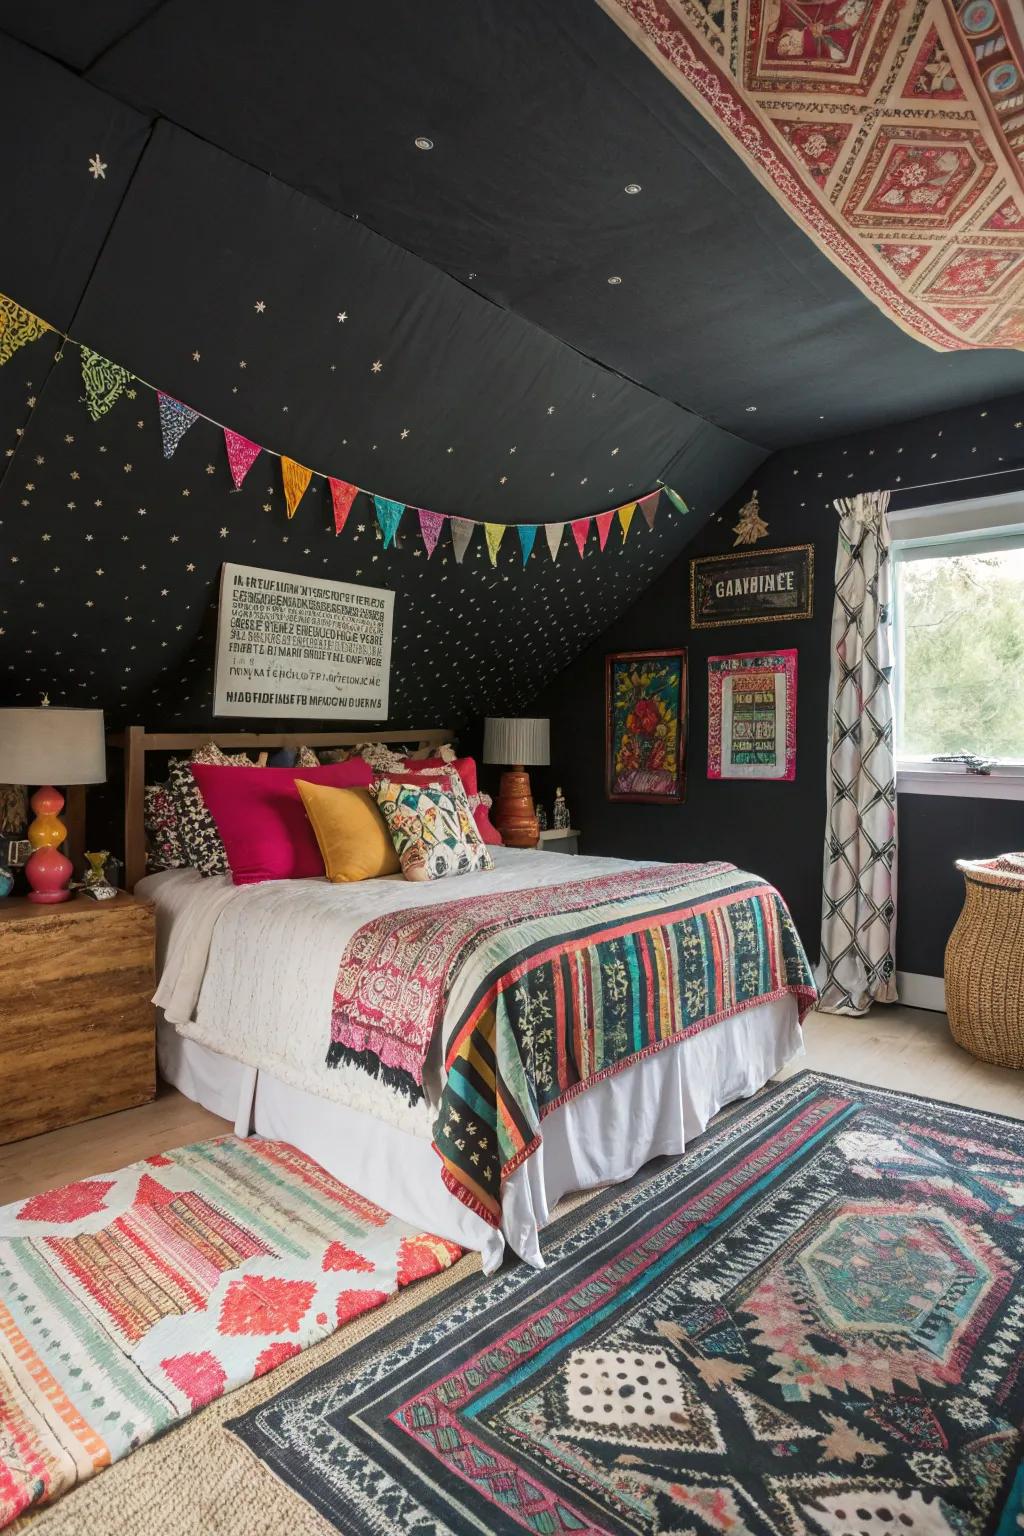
pixel 44 746
pixel 521 743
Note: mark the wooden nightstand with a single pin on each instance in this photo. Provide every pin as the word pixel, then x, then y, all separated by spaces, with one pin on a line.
pixel 560 840
pixel 77 1028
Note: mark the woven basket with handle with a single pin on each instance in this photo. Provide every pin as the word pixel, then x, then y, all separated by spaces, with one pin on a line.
pixel 985 961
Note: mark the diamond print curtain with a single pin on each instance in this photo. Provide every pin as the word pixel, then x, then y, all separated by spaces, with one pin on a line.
pixel 858 922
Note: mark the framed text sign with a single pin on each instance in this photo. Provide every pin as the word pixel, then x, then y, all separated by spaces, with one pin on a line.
pixel 754 587
pixel 301 646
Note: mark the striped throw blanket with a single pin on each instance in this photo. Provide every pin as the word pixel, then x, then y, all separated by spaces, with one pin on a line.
pixel 535 995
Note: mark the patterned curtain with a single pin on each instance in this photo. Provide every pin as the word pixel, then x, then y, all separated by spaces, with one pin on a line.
pixel 858 920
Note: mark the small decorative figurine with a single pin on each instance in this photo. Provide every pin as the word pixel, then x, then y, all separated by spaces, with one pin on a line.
pixel 561 810
pixel 542 816
pixel 6 880
pixel 96 883
pixel 751 525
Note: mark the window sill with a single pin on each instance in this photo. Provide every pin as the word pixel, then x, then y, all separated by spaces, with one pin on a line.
pixel 939 779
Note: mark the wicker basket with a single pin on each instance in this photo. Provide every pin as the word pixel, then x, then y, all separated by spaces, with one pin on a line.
pixel 985 962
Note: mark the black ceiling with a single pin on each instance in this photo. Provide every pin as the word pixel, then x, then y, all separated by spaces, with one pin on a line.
pixel 540 115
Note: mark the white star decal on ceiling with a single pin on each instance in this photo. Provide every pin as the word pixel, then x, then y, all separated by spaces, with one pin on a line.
pixel 503 480
pixel 223 533
pixel 614 452
pixel 376 367
pixel 259 306
pixel 211 469
pixel 551 410
pixel 342 316
pixel 98 168
pixel 404 433
pixel 196 356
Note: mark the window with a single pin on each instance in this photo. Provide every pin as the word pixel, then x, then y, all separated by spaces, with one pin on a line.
pixel 959 645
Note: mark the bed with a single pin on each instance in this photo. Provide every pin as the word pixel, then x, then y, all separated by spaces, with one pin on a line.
pixel 248 977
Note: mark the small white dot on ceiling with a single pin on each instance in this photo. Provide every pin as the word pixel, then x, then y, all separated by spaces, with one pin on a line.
pixel 632 187
pixel 423 143
pixel 615 281
pixel 751 407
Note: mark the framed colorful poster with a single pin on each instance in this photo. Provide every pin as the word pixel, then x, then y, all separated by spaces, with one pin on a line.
pixel 758 586
pixel 645 726
pixel 752 715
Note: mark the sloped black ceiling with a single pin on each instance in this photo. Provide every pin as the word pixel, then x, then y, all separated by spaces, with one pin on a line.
pixel 541 113
pixel 223 287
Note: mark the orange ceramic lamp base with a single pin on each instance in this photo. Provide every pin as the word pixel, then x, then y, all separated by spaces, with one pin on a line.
pixel 514 814
pixel 47 870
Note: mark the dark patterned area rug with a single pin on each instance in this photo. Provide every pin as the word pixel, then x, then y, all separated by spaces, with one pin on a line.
pixel 813 1322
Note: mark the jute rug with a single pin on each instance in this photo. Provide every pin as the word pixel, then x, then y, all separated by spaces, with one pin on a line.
pixel 130 1300
pixel 813 1323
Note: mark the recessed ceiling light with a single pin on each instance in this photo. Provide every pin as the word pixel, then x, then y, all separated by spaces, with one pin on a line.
pixel 615 281
pixel 751 407
pixel 423 143
pixel 633 187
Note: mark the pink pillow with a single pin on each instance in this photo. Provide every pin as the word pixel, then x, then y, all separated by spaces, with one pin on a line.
pixel 261 820
pixel 465 767
pixel 485 826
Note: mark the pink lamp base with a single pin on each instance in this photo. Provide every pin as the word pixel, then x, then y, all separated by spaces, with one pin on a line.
pixel 48 873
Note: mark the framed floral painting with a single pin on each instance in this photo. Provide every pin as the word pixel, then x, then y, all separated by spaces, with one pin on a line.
pixel 645 726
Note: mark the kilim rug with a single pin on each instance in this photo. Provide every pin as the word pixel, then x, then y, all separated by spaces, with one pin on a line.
pixel 128 1301
pixel 811 1323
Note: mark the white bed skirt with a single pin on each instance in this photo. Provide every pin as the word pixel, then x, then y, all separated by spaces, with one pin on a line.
pixel 651 1108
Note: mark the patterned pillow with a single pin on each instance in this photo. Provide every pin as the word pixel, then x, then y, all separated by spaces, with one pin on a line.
pixel 431 827
pixel 163 841
pixel 197 830
pixel 210 753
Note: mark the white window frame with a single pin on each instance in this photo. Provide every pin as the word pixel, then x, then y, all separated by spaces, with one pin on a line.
pixel 973 526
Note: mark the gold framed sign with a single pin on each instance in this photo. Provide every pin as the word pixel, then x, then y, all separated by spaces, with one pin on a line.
pixel 758 586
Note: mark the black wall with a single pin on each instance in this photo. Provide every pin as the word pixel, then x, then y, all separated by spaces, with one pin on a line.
pixel 777 829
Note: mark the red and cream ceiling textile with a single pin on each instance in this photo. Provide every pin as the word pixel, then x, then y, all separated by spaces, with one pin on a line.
pixel 891 130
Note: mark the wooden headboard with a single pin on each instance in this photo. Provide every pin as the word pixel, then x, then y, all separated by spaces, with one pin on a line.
pixel 136 741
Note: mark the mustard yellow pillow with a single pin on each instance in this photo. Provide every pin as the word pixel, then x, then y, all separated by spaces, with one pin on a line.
pixel 354 840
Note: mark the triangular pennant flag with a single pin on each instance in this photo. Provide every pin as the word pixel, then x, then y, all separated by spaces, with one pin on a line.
pixel 527 533
pixel 604 524
pixel 675 498
pixel 580 529
pixel 553 533
pixel 242 455
pixel 626 517
pixel 342 497
pixel 648 506
pixel 17 326
pixel 103 382
pixel 462 532
pixel 431 524
pixel 295 478
pixel 389 515
pixel 495 532
pixel 175 420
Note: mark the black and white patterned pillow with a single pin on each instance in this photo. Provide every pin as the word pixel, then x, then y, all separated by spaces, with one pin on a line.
pixel 197 830
pixel 163 842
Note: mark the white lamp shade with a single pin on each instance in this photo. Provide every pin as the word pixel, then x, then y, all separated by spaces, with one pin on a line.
pixel 526 742
pixel 52 746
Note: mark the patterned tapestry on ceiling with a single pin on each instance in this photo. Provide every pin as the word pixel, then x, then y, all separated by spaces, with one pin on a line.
pixel 893 133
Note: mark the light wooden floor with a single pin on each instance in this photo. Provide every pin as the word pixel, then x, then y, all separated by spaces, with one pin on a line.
pixel 903 1048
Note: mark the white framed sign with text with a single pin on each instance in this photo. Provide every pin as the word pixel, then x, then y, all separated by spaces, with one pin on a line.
pixel 301 646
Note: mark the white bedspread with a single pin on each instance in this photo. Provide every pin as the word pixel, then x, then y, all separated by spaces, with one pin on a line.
pixel 250 970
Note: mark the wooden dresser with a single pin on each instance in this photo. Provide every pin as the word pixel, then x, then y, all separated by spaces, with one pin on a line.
pixel 77 1028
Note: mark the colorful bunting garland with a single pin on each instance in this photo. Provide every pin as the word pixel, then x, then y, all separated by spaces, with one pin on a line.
pixel 105 381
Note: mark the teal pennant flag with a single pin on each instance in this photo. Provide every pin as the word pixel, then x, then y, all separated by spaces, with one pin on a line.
pixel 389 515
pixel 527 533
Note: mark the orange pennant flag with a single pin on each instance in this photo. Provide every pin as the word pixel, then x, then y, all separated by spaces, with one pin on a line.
pixel 295 477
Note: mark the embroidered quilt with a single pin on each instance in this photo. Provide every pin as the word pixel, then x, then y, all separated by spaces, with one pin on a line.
pixel 537 994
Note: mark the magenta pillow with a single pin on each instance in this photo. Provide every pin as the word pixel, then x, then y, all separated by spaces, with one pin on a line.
pixel 485 826
pixel 261 819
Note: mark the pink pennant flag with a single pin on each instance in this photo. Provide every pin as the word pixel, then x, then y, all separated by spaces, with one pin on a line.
pixel 431 524
pixel 342 496
pixel 580 529
pixel 649 505
pixel 604 522
pixel 242 455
